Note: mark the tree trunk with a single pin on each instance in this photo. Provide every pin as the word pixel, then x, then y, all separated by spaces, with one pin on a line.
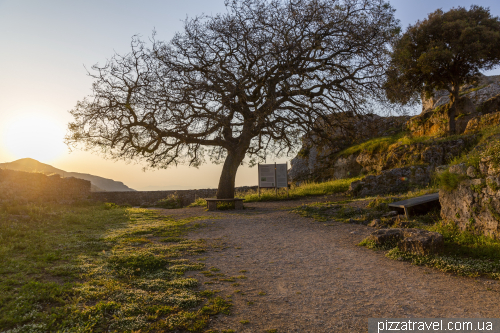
pixel 452 112
pixel 228 175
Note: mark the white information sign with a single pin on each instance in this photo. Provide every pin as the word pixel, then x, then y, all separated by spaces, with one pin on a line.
pixel 273 175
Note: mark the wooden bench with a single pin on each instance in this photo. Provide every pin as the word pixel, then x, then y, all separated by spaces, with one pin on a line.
pixel 424 202
pixel 212 203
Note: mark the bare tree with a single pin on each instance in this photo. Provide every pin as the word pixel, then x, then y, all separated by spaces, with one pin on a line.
pixel 248 82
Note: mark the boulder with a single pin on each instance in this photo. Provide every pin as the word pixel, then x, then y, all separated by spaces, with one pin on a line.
pixel 346 167
pixel 415 241
pixel 483 121
pixel 421 242
pixel 383 237
pixel 459 169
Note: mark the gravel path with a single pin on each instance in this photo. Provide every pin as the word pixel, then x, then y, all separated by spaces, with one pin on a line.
pixel 316 279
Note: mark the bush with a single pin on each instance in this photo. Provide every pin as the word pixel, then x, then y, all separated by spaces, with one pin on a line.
pixel 200 202
pixel 170 202
pixel 449 181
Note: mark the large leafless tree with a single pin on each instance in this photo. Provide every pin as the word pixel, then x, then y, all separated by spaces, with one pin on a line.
pixel 248 82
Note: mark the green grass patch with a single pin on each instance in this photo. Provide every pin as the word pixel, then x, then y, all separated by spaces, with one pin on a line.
pixel 449 181
pixel 465 253
pixel 373 146
pixel 170 202
pixel 305 189
pixel 200 202
pixel 94 268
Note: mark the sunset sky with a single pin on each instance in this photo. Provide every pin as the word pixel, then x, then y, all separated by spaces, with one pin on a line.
pixel 45 47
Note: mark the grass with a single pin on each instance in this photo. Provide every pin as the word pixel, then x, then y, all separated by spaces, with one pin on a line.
pixel 341 211
pixel 170 202
pixel 304 190
pixel 449 181
pixel 384 144
pixel 374 145
pixel 94 268
pixel 199 202
pixel 466 253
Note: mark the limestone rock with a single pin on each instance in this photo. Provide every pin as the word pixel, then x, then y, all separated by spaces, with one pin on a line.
pixel 475 203
pixel 459 169
pixel 346 167
pixel 476 100
pixel 314 160
pixel 411 240
pixel 392 181
pixel 376 223
pixel 386 236
pixel 471 172
pixel 421 242
pixel 483 121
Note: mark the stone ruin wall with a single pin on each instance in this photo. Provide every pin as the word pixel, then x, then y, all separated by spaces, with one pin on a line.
pixel 147 198
pixel 23 187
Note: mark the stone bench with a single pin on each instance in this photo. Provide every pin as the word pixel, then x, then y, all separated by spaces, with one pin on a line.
pixel 212 203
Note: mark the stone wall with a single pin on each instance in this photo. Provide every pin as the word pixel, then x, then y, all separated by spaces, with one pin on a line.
pixel 23 187
pixel 475 203
pixel 147 198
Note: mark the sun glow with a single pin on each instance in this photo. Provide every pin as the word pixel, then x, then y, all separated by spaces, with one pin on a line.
pixel 34 136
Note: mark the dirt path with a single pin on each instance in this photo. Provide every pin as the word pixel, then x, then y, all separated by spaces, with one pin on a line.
pixel 316 279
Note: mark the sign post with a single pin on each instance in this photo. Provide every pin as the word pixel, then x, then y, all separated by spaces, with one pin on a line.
pixel 273 176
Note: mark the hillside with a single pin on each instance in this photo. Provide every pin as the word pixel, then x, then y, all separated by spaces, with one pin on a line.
pixel 381 144
pixel 99 184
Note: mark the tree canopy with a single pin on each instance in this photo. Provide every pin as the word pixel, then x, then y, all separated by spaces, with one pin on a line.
pixel 245 83
pixel 444 51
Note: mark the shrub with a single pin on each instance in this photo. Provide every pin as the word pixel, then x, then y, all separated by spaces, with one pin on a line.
pixel 170 202
pixel 449 181
pixel 200 202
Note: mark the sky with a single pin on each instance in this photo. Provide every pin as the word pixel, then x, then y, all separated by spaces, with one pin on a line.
pixel 47 47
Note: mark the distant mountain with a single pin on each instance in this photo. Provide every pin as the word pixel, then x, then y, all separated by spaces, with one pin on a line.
pixel 98 184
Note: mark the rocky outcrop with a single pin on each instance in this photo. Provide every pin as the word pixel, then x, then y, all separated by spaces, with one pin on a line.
pixel 319 161
pixel 346 167
pixel 392 181
pixel 480 122
pixel 475 100
pixel 411 240
pixel 475 203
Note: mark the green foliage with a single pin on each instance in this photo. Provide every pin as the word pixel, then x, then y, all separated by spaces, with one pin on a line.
pixel 305 189
pixel 199 202
pixel 493 212
pixel 97 268
pixel 221 205
pixel 465 252
pixel 449 181
pixel 472 90
pixel 492 153
pixel 373 146
pixel 493 186
pixel 170 202
pixel 477 188
pixel 442 52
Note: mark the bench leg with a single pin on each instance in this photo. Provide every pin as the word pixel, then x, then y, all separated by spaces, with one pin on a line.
pixel 212 205
pixel 238 205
